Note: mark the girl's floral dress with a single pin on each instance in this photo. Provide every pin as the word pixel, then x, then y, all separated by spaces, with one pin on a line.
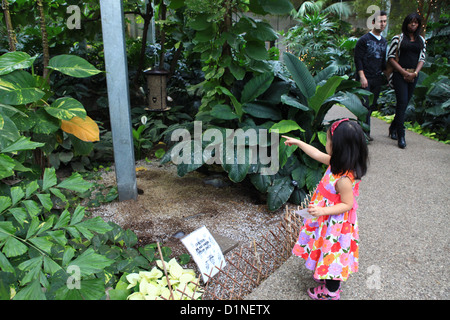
pixel 329 244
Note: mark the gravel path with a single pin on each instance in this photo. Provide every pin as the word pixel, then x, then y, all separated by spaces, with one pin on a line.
pixel 403 213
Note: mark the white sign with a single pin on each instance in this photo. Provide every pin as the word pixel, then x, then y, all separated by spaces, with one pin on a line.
pixel 304 213
pixel 206 252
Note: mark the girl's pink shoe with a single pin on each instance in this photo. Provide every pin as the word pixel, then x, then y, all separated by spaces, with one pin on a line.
pixel 322 293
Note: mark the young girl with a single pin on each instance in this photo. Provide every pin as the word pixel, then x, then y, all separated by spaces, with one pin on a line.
pixel 329 242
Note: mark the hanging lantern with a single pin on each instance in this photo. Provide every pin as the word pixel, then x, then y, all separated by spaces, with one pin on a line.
pixel 157 95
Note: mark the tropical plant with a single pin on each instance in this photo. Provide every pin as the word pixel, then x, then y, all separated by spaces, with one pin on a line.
pixel 269 103
pixel 230 43
pixel 311 99
pixel 50 250
pixel 28 108
pixel 315 34
pixel 164 282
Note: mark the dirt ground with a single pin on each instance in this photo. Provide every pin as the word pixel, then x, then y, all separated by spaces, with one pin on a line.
pixel 169 207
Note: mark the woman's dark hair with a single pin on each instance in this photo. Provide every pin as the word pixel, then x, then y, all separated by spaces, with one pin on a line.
pixel 408 19
pixel 349 150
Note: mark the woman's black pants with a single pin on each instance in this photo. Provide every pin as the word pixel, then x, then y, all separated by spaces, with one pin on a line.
pixel 403 93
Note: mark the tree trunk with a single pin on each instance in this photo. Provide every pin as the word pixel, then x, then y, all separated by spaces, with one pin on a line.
pixel 147 20
pixel 45 48
pixel 11 34
pixel 39 157
pixel 162 10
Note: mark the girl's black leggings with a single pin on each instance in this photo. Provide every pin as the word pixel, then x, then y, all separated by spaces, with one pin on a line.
pixel 332 285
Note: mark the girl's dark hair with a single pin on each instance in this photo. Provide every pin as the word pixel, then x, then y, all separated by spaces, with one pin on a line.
pixel 408 19
pixel 349 150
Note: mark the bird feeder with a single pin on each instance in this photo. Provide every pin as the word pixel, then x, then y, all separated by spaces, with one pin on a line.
pixel 157 94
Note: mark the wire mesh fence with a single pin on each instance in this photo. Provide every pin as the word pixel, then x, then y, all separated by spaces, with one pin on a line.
pixel 251 264
pixel 248 265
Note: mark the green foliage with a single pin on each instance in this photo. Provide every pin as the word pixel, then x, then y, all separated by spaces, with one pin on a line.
pixel 52 253
pixel 315 38
pixel 28 108
pixel 230 47
pixel 296 107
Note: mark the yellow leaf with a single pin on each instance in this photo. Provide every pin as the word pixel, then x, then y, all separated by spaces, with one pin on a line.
pixel 83 129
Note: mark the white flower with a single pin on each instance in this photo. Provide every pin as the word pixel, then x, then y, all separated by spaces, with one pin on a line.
pixel 144 120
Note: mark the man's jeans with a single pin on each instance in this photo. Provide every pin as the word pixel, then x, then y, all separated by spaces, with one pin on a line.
pixel 374 86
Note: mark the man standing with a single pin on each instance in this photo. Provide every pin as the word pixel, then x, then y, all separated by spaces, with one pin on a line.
pixel 370 61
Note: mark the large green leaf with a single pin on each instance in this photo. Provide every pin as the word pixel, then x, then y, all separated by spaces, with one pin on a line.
pixel 73 66
pixel 224 112
pixel 263 31
pixel 313 177
pixel 256 50
pixel 19 87
pixel 9 133
pixel 11 61
pixel 6 266
pixel 285 126
pixel 199 22
pixel 14 247
pixel 45 123
pixel 184 155
pixel 42 243
pixel 89 226
pixel 293 103
pixel 279 192
pixel 256 86
pixel 263 110
pixel 17 194
pixel 66 108
pixel 236 161
pixel 23 143
pixel 285 152
pixel 6 166
pixel 33 291
pixel 352 103
pixel 236 104
pixel 300 73
pixel 324 92
pixel 277 6
pixel 49 179
pixel 90 262
pixel 75 183
pixel 91 289
pixel 5 202
pixel 7 229
pixel 261 182
pixel 299 175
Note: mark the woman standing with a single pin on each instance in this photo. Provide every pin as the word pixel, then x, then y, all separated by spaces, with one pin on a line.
pixel 406 55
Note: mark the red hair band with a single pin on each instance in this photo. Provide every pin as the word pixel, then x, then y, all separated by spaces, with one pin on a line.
pixel 336 124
